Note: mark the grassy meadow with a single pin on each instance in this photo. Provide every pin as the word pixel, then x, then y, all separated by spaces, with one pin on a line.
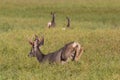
pixel 95 24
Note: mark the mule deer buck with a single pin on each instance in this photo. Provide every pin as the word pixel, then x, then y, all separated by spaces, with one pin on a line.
pixel 52 23
pixel 69 52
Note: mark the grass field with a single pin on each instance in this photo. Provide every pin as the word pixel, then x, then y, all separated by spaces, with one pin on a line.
pixel 95 24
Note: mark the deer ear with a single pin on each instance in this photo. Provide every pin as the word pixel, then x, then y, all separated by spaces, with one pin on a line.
pixel 52 13
pixel 31 43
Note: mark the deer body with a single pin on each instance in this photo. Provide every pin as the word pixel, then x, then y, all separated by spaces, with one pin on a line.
pixel 71 51
pixel 53 57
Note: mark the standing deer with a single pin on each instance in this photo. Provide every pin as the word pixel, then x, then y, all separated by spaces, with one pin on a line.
pixel 70 51
pixel 52 23
pixel 68 22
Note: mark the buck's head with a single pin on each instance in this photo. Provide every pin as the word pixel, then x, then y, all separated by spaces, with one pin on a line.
pixel 35 46
pixel 67 17
pixel 53 14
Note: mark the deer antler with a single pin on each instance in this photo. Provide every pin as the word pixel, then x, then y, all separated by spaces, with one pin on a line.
pixel 36 37
pixel 41 41
pixel 31 43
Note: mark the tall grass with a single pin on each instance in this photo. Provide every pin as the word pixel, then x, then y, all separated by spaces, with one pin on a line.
pixel 95 24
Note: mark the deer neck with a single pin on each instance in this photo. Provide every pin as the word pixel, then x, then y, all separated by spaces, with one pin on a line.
pixel 39 55
pixel 53 19
pixel 68 25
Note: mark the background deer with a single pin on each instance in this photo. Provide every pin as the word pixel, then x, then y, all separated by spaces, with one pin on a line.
pixel 52 23
pixel 70 51
pixel 68 21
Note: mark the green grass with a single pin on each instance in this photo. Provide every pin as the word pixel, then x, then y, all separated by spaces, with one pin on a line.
pixel 95 24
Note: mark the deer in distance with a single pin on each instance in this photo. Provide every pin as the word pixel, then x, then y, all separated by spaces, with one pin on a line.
pixel 68 22
pixel 71 51
pixel 52 23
